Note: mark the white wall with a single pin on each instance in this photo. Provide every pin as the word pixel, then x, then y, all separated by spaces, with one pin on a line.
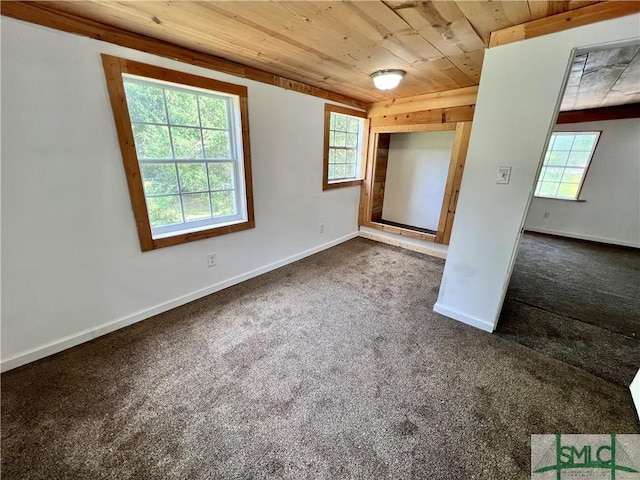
pixel 610 212
pixel 71 263
pixel 416 177
pixel 517 102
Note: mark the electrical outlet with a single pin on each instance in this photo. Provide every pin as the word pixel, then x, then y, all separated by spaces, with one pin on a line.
pixel 322 228
pixel 212 260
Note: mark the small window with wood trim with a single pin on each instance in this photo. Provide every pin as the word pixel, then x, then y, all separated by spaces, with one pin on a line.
pixel 344 147
pixel 565 164
pixel 185 147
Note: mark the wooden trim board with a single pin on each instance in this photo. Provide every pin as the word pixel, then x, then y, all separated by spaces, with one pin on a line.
pixel 405 232
pixel 436 116
pixel 618 112
pixel 454 179
pixel 429 101
pixel 564 21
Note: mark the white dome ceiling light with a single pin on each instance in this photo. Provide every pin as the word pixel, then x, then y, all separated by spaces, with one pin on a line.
pixel 387 79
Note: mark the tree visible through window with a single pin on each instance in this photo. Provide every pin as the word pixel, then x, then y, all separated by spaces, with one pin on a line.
pixel 189 150
pixel 183 141
pixel 344 138
pixel 565 164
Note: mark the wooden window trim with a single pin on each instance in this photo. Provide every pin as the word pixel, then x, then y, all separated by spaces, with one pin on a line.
pixel 114 67
pixel 328 109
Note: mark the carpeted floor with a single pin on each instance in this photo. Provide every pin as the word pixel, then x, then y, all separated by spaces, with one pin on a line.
pixel 578 302
pixel 334 367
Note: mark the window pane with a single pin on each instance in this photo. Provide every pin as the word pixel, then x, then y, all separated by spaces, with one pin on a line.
pixel 548 189
pixel 146 104
pixel 352 140
pixel 351 156
pixel 568 190
pixel 223 203
pixel 216 144
pixel 563 142
pixel 159 179
pixel 565 165
pixel 152 141
pixel 221 176
pixel 572 175
pixel 332 121
pixel 553 174
pixel 350 171
pixel 339 171
pixel 584 142
pixel 182 107
pixel 543 171
pixel 340 139
pixel 341 123
pixel 213 112
pixel 196 207
pixel 332 172
pixel 578 159
pixel 340 156
pixel 558 158
pixel 164 210
pixel 187 143
pixel 193 177
pixel 353 125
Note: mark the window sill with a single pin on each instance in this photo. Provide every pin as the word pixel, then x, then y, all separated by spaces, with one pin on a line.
pixel 198 235
pixel 341 183
pixel 578 200
pixel 201 228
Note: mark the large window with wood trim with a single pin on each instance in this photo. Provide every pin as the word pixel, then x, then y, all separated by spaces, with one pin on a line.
pixel 344 147
pixel 185 149
pixel 565 164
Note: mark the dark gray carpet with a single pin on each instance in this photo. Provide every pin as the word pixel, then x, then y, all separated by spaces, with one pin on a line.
pixel 334 367
pixel 577 301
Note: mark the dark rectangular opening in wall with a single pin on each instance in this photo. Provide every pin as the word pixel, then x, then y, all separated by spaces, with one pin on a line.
pixel 408 227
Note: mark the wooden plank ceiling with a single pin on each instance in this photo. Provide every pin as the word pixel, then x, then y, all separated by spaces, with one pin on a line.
pixel 331 45
pixel 603 78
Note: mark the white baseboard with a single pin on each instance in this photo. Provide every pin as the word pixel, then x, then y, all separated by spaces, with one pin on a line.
pixel 580 236
pixel 464 318
pixel 400 243
pixel 635 392
pixel 89 334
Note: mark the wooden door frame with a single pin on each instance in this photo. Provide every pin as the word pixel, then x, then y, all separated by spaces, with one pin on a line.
pixel 452 188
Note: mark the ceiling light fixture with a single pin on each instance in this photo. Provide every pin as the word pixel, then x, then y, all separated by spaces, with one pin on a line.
pixel 387 79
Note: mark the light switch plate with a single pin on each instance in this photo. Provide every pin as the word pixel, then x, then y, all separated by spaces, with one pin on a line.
pixel 504 174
